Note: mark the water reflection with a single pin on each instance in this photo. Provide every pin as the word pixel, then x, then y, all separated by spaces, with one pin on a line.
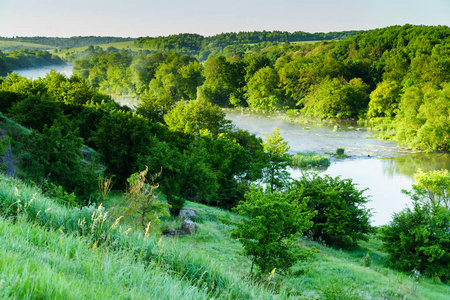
pixel 408 165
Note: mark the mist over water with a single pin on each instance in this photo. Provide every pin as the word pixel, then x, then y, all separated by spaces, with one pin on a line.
pixel 35 73
pixel 381 166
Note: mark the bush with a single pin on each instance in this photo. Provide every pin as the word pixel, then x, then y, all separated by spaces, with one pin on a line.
pixel 419 238
pixel 267 235
pixel 341 218
pixel 55 156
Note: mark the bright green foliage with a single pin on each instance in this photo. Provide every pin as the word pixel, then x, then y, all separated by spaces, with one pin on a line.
pixel 384 100
pixel 433 187
pixel 55 156
pixel 423 121
pixel 224 81
pixel 263 91
pixel 197 117
pixel 268 230
pixel 143 201
pixel 341 218
pixel 335 98
pixel 418 238
pixel 275 174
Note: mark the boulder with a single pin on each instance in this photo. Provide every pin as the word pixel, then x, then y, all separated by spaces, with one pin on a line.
pixel 6 158
pixel 188 226
pixel 186 213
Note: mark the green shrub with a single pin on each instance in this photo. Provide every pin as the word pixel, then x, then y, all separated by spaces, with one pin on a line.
pixel 418 238
pixel 341 218
pixel 267 235
pixel 340 151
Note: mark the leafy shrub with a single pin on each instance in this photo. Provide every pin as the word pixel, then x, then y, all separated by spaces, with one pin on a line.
pixel 341 218
pixel 267 235
pixel 59 194
pixel 340 151
pixel 35 112
pixel 418 238
pixel 54 156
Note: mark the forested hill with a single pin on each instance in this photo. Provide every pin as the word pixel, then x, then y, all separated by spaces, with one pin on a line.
pixel 75 41
pixel 194 43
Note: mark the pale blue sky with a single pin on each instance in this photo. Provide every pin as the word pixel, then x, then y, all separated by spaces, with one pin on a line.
pixel 134 18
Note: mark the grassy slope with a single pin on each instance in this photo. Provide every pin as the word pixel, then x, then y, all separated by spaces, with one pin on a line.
pixel 6 46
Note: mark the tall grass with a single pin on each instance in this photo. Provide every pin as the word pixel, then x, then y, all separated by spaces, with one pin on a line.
pixel 307 160
pixel 20 203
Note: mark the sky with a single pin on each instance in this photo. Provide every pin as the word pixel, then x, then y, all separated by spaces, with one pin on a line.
pixel 135 18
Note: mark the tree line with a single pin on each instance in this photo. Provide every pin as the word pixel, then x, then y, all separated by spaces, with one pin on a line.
pixel 22 59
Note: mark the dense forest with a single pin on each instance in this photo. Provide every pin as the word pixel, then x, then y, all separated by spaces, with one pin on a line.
pixel 396 76
pixel 202 47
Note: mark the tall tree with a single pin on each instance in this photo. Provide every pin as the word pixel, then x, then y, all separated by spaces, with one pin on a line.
pixel 275 173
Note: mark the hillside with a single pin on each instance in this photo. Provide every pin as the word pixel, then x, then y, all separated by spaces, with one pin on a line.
pixel 45 251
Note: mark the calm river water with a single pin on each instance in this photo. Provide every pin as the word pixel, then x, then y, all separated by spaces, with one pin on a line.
pixel 380 166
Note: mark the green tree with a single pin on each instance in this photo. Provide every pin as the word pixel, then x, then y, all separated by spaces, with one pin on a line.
pixel 120 139
pixel 197 117
pixel 172 167
pixel 341 218
pixel 275 174
pixel 262 90
pixel 384 100
pixel 268 231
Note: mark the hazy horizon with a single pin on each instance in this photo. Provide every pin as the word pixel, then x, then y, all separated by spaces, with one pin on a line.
pixel 136 18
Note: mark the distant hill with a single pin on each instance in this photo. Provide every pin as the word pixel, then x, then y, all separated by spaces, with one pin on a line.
pixel 62 43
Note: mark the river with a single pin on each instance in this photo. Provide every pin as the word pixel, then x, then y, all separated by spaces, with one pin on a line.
pixel 378 166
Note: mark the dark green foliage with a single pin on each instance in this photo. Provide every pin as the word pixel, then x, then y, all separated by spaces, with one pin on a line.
pixel 120 139
pixel 269 227
pixel 54 156
pixel 418 239
pixel 341 218
pixel 172 168
pixel 36 112
pixel 7 99
pixel 24 58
